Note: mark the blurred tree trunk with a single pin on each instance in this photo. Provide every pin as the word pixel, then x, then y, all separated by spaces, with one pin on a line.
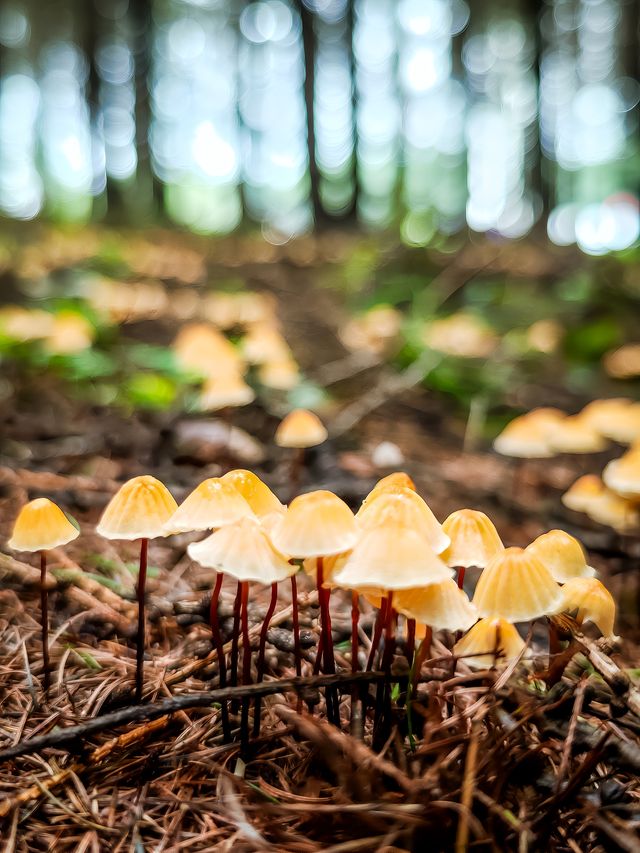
pixel 309 46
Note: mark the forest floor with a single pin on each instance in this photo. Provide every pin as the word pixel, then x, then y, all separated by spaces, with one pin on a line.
pixel 530 758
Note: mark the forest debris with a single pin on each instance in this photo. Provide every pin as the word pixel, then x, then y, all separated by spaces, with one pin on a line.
pixel 46 481
pixel 206 441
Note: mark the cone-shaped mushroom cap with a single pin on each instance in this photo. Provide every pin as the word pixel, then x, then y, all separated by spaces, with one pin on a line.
pixel 575 435
pixel 205 351
pixel 279 375
pixel 221 392
pixel 256 493
pixel 244 551
pixel 524 439
pixel 300 428
pixel 592 600
pixel 214 503
pixel 264 343
pixel 391 557
pixel 583 493
pixel 397 478
pixel 623 362
pixel 619 513
pixel 395 505
pixel 625 426
pixel 138 510
pixel 546 417
pixel 516 586
pixel 562 555
pixel 484 638
pixel 474 539
pixel 317 524
pixel 441 605
pixel 41 525
pixel 601 413
pixel 623 475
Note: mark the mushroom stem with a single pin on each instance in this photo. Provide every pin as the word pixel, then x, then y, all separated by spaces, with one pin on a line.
pixel 411 640
pixel 297 464
pixel 461 573
pixel 389 635
pixel 246 664
pixel 382 715
pixel 377 633
pixel 296 625
pixel 142 582
pixel 234 643
pixel 219 646
pixel 355 618
pixel 328 660
pixel 423 650
pixel 261 653
pixel 44 620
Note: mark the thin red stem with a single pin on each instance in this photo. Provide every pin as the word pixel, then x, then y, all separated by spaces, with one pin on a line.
pixel 261 653
pixel 411 640
pixel 461 573
pixel 219 646
pixel 234 644
pixel 296 625
pixel 377 633
pixel 44 621
pixel 246 662
pixel 142 582
pixel 324 596
pixel 355 618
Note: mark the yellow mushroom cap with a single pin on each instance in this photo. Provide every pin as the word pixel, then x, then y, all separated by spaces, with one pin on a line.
pixel 404 508
pixel 623 475
pixel 41 525
pixel 396 478
pixel 317 524
pixel 546 417
pixel 391 556
pixel 562 555
pixel 204 350
pixel 300 428
pixel 479 644
pixel 263 343
pixel 442 606
pixel 624 427
pixel 524 439
pixel 463 335
pixel 516 586
pixel 617 512
pixel 601 413
pixel 583 493
pixel 575 435
pixel 214 503
pixel 592 600
pixel 70 333
pixel 221 392
pixel 474 539
pixel 244 551
pixel 279 375
pixel 624 362
pixel 138 510
pixel 256 493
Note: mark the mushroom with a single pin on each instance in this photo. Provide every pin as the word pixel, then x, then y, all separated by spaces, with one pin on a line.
pixel 474 541
pixel 575 434
pixel 581 496
pixel 490 640
pixel 600 414
pixel 318 524
pixel 516 586
pixel 562 555
pixel 299 430
pixel 40 526
pixel 244 551
pixel 593 602
pixel 140 510
pixel 622 475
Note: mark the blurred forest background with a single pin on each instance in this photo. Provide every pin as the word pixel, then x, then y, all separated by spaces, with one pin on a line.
pixel 503 116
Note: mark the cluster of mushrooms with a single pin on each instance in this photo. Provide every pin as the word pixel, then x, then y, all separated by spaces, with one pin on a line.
pixel 393 552
pixel 614 498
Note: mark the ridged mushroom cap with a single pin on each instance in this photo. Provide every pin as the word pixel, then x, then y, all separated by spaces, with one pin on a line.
pixel 562 555
pixel 138 510
pixel 40 526
pixel 317 524
pixel 478 647
pixel 474 539
pixel 398 505
pixel 300 428
pixel 214 503
pixel 256 493
pixel 244 551
pixel 391 557
pixel 442 606
pixel 592 600
pixel 516 586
